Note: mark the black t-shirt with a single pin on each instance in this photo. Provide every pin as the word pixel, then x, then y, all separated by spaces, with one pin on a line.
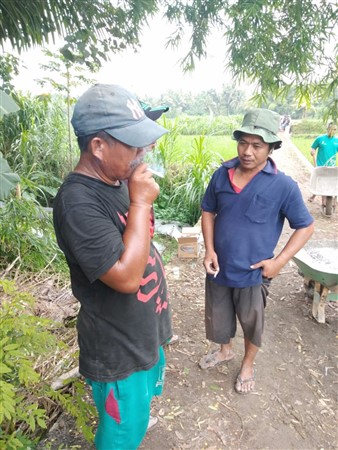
pixel 118 334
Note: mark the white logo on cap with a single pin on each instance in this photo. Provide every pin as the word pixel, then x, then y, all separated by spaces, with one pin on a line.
pixel 135 108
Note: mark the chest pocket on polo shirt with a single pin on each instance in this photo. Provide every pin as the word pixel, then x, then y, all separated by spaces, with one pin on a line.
pixel 260 209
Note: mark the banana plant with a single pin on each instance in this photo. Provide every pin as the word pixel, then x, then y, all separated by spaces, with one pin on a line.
pixel 8 179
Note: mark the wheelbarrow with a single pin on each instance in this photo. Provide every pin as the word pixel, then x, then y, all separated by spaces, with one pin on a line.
pixel 317 262
pixel 324 182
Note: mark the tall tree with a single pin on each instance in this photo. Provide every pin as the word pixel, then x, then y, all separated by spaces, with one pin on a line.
pixel 280 44
pixel 91 29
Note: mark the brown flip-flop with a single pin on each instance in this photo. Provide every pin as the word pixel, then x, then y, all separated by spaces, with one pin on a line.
pixel 210 360
pixel 240 382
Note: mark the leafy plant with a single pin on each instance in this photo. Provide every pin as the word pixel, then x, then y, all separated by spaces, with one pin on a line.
pixel 8 179
pixel 27 237
pixel 24 338
pixel 72 75
pixel 91 29
pixel 308 128
pixel 189 164
pixel 35 144
pixel 199 166
pixel 222 145
pixel 208 125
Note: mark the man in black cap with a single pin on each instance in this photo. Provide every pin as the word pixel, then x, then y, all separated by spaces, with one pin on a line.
pixel 102 226
pixel 243 213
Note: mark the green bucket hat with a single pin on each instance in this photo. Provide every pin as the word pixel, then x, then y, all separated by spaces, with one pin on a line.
pixel 263 123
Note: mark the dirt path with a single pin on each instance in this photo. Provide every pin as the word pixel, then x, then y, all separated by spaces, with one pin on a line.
pixel 295 402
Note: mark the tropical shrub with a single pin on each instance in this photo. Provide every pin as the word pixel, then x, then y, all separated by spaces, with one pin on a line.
pixel 308 128
pixel 189 162
pixel 208 125
pixel 36 145
pixel 27 237
pixel 8 179
pixel 185 182
pixel 199 166
pixel 25 398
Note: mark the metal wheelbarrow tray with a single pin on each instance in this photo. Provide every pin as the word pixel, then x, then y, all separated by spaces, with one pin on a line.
pixel 324 182
pixel 318 263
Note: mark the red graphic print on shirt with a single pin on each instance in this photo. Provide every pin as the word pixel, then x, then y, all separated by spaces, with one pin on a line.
pixel 153 285
pixel 122 218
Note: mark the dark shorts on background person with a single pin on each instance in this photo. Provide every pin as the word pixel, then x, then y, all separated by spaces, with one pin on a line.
pixel 223 304
pixel 124 407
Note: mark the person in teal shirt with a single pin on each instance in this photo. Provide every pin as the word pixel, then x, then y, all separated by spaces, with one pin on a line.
pixel 326 146
pixel 324 150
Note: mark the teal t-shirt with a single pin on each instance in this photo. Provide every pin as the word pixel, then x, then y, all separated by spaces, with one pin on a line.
pixel 327 150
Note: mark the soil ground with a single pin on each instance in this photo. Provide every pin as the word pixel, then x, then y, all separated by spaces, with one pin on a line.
pixel 294 405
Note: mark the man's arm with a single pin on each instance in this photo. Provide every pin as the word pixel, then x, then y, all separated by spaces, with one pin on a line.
pixel 210 259
pixel 126 274
pixel 272 267
pixel 313 154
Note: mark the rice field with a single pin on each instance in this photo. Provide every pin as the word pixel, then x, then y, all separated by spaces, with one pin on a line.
pixel 226 146
pixel 304 145
pixel 223 145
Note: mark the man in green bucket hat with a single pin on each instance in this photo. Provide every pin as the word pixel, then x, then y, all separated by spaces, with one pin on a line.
pixel 243 212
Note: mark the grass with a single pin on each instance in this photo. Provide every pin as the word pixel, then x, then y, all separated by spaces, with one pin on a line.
pixel 304 145
pixel 223 145
pixel 226 146
pixel 190 161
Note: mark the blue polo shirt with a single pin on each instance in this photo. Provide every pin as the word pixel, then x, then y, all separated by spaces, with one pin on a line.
pixel 248 224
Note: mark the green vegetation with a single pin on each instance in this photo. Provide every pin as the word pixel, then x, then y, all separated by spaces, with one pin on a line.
pixel 277 44
pixel 35 143
pixel 26 344
pixel 91 29
pixel 168 244
pixel 304 132
pixel 308 128
pixel 224 146
pixel 27 238
pixel 189 163
pixel 304 145
pixel 37 148
pixel 219 125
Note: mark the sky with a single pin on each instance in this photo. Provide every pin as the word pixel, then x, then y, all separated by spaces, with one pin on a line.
pixel 149 72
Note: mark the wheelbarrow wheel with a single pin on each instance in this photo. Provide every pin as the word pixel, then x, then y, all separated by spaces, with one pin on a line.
pixel 328 207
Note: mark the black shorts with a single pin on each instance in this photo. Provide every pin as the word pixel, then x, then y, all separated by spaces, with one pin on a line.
pixel 223 304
